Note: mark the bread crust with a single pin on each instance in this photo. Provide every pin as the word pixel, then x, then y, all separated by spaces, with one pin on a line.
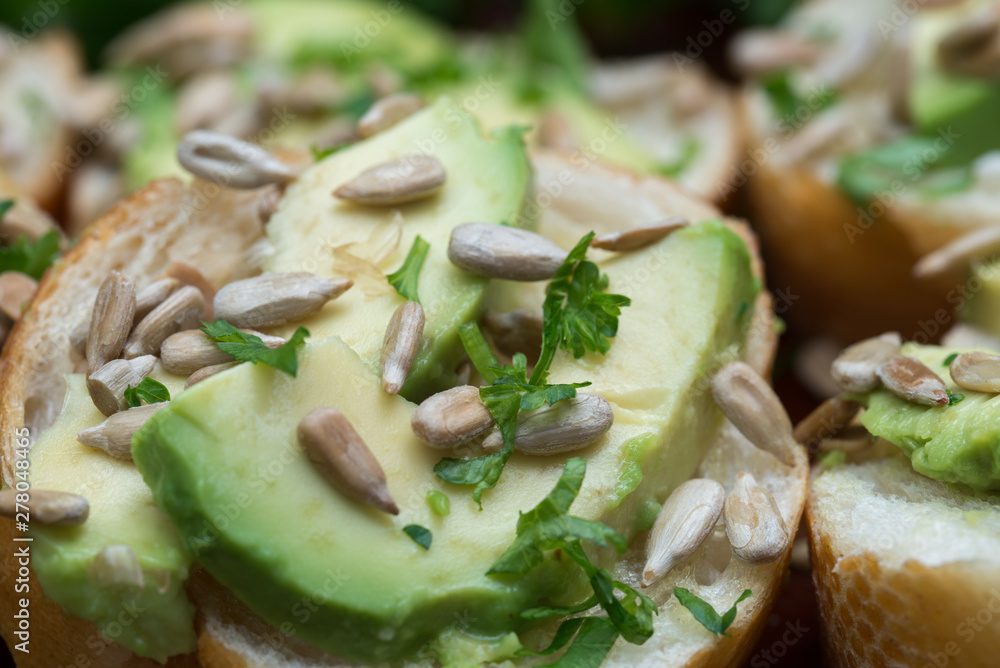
pixel 881 615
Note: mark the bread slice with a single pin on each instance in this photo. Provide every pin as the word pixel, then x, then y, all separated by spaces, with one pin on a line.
pixel 906 567
pixel 848 265
pixel 220 233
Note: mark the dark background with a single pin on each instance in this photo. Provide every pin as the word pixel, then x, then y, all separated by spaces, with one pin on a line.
pixel 613 28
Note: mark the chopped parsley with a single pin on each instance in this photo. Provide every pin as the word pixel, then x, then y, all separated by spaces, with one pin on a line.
pixel 29 257
pixel 249 347
pixel 149 390
pixel 549 526
pixel 706 614
pixel 949 359
pixel 405 278
pixel 420 535
pixel 954 398
pixel 578 316
pixel 319 153
pixel 5 206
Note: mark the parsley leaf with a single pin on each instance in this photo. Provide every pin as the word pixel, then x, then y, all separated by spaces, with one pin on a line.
pixel 505 398
pixel 549 526
pixel 406 277
pixel 5 206
pixel 949 359
pixel 706 614
pixel 954 398
pixel 149 390
pixel 578 314
pixel 478 350
pixel 420 535
pixel 319 154
pixel 594 638
pixel 31 258
pixel 249 348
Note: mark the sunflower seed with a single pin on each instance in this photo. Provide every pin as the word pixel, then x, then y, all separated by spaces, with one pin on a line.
pixel 451 418
pixel 751 405
pixel 188 275
pixel 116 566
pixel 107 385
pixel 856 369
pixel 972 48
pixel 828 420
pixel 182 310
pixel 388 111
pixel 406 179
pixel 514 332
pixel 569 425
pixel 114 435
pixel 274 299
pixel 185 352
pixel 960 254
pixel 16 290
pixel 400 345
pixel 853 439
pixel 499 251
pixel 976 371
pixel 207 372
pixel 756 531
pixel 685 521
pixel 761 51
pixel 967 336
pixel 230 162
pixel 638 237
pixel 914 381
pixel 153 295
pixel 47 507
pixel 111 320
pixel 330 442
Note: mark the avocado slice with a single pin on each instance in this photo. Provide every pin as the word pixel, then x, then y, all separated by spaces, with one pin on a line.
pixel 487 181
pixel 958 443
pixel 967 107
pixel 224 463
pixel 156 621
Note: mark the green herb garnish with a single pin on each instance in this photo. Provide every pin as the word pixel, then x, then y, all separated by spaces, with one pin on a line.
pixel 5 206
pixel 438 502
pixel 420 535
pixel 594 638
pixel 249 348
pixel 27 257
pixel 706 614
pixel 405 278
pixel 949 359
pixel 149 390
pixel 552 45
pixel 954 398
pixel 578 316
pixel 689 151
pixel 549 526
pixel 319 153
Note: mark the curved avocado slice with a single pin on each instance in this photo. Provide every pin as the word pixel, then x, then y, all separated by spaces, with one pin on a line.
pixel 155 621
pixel 488 181
pixel 223 461
pixel 958 443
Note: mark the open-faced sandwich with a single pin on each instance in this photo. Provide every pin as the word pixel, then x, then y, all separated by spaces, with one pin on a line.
pixel 874 142
pixel 903 509
pixel 420 402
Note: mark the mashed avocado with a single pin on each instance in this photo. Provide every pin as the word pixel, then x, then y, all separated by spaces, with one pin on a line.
pixel 957 443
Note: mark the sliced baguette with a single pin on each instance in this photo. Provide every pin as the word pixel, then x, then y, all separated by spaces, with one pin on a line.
pixel 166 222
pixel 907 568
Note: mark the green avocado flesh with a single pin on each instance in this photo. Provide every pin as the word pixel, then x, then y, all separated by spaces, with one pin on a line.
pixel 155 621
pixel 966 107
pixel 979 302
pixel 224 463
pixel 958 443
pixel 487 181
